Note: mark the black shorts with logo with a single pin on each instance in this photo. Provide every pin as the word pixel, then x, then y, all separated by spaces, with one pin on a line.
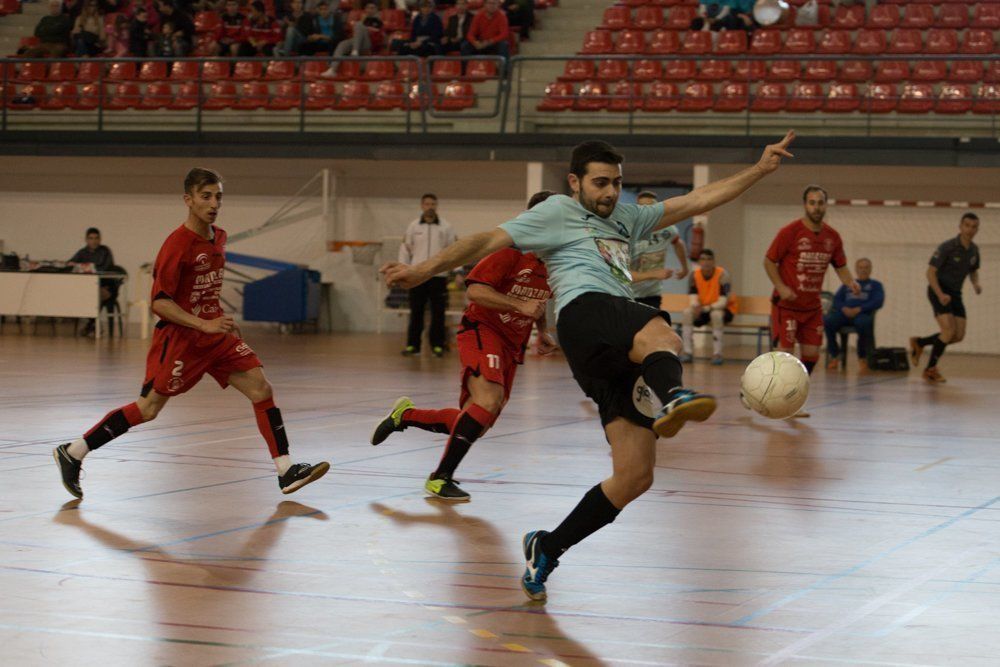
pixel 596 332
pixel 955 306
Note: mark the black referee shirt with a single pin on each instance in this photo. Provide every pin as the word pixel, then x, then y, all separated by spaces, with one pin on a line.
pixel 954 262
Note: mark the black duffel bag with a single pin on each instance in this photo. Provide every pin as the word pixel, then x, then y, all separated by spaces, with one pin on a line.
pixel 889 359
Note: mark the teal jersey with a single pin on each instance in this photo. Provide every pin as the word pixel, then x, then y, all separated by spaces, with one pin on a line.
pixel 583 251
pixel 649 254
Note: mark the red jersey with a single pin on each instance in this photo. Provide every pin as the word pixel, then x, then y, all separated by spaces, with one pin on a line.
pixel 516 274
pixel 802 256
pixel 189 270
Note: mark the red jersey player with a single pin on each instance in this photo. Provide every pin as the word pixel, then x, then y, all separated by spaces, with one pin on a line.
pixel 193 337
pixel 508 291
pixel 796 263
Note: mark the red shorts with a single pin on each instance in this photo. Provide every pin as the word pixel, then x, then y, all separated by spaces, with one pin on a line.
pixel 180 356
pixel 789 326
pixel 484 353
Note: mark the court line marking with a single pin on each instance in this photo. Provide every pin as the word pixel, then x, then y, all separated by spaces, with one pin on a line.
pixel 931 465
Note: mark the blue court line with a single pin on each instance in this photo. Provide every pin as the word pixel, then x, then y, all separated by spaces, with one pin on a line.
pixel 851 570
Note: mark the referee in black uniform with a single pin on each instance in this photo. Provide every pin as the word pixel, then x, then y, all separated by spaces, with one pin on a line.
pixel 952 261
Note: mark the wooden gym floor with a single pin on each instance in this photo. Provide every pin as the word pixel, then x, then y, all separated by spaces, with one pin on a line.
pixel 867 534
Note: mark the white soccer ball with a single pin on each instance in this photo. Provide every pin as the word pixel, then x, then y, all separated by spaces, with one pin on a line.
pixel 775 385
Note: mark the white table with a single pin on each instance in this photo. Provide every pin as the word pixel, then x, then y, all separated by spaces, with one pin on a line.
pixel 51 295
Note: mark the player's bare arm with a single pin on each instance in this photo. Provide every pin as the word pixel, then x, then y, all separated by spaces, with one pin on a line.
pixel 844 273
pixel 464 251
pixel 652 274
pixel 974 279
pixel 487 297
pixel 545 344
pixel 932 279
pixel 712 195
pixel 681 251
pixel 167 310
pixel 784 291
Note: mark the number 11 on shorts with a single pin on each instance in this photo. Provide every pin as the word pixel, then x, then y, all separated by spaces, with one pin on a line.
pixel 493 360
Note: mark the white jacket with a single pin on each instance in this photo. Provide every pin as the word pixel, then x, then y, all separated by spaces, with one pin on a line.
pixel 424 240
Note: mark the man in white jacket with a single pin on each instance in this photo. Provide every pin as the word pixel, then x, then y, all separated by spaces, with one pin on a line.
pixel 425 237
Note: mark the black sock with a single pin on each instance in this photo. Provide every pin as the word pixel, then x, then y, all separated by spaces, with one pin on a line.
pixel 937 349
pixel 467 430
pixel 810 365
pixel 114 424
pixel 592 513
pixel 927 340
pixel 663 373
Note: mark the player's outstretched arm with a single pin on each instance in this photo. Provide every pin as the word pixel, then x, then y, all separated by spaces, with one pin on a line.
pixel 713 195
pixel 487 297
pixel 845 276
pixel 681 251
pixel 463 251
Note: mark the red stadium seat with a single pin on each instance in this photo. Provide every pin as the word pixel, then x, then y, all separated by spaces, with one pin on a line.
pixel 770 97
pixel 883 17
pixel 63 95
pixel 354 96
pixel 153 70
pixel 967 71
pixel 986 15
pixel 592 97
pixel 222 95
pixel 697 42
pixel 381 70
pixel 806 98
pixel 765 42
pixel 626 97
pixel 820 70
pixel 480 70
pixel 89 97
pixel 616 18
pixel 559 96
pixel 916 98
pixel 891 71
pixel 34 70
pixel 881 98
pixel 322 95
pixel 253 95
pixel 942 40
pixel 647 70
pixel 8 7
pixel 697 97
pixel 856 70
pixel 929 70
pixel 216 71
pixel 798 41
pixel 125 96
pixel 184 71
pixel 597 42
pixel 662 96
pixel 649 18
pixel 842 98
pixel 393 20
pixel 207 22
pixel 89 71
pixel 247 70
pixel 848 17
pixel 954 98
pixel 680 17
pixel 870 42
pixel 612 70
pixel 664 42
pixel 715 70
pixel 630 41
pixel 407 70
pixel 977 41
pixel 835 41
pixel 906 40
pixel 446 70
pixel 121 72
pixel 388 95
pixel 62 72
pixel 991 73
pixel 731 43
pixel 577 70
pixel 287 96
pixel 156 96
pixel 311 70
pixel 680 70
pixel 750 70
pixel 917 16
pixel 784 70
pixel 188 97
pixel 987 99
pixel 734 97
pixel 279 70
pixel 953 15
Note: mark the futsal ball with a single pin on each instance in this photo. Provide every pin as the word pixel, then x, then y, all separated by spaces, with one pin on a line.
pixel 775 385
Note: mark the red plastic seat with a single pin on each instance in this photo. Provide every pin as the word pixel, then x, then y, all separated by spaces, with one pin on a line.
pixel 731 43
pixel 929 70
pixel 121 72
pixel 662 96
pixel 715 70
pixel 697 42
pixel 288 95
pixel 408 70
pixel 207 22
pixel 89 71
pixel 967 71
pixel 749 70
pixel 842 98
pixel 953 15
pixel 680 17
pixel 626 97
pixel 125 96
pixel 577 70
pixel 188 96
pixel 766 42
pixel 798 41
pixel 153 70
pixel 247 70
pixel 215 71
pixel 480 70
pixel 559 96
pixel 322 95
pixel 89 97
pixel 977 41
pixel 870 42
pixel 734 97
pixel 991 73
pixel 648 18
pixel 597 42
pixel 348 70
pixel 222 95
pixel 848 17
pixel 381 70
pixel 820 70
pixel 770 97
pixel 253 95
pixel 157 95
pixel 697 97
pixel 592 96
pixel 354 96
pixel 884 17
pixel 881 98
pixel 680 70
pixel 393 20
pixel 784 70
pixel 987 99
pixel 918 16
pixel 616 18
pixel 906 40
pixel 446 70
pixel 916 98
pixel 62 72
pixel 279 70
pixel 630 41
pixel 312 69
pixel 806 98
pixel 612 70
pixel 9 7
pixel 942 40
pixel 891 71
pixel 954 98
pixel 835 41
pixel 664 42
pixel 184 71
pixel 647 70
pixel 34 70
pixel 986 15
pixel 856 70
pixel 388 95
pixel 63 95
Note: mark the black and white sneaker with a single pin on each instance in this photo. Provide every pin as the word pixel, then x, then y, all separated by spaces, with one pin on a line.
pixel 69 468
pixel 301 474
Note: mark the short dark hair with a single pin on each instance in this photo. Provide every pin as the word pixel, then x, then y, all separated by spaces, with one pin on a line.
pixel 706 251
pixel 593 151
pixel 646 194
pixel 429 195
pixel 92 230
pixel 538 198
pixel 970 215
pixel 815 188
pixel 198 178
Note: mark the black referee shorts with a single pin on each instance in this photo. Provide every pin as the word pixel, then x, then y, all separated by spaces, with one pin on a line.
pixel 955 306
pixel 596 332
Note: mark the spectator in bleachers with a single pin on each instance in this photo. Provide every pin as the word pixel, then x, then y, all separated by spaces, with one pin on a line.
pixel 291 38
pixel 724 15
pixel 521 14
pixel 88 31
pixel 458 27
pixel 53 32
pixel 118 38
pixel 72 7
pixel 231 34
pixel 367 37
pixel 140 34
pixel 163 45
pixel 321 31
pixel 182 28
pixel 425 34
pixel 489 32
pixel 261 33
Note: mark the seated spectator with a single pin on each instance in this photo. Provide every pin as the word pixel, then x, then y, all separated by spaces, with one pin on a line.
pixel 163 44
pixel 231 35
pixel 458 27
pixel 711 303
pixel 72 8
pixel 425 34
pixel 118 39
pixel 102 259
pixel 489 32
pixel 367 37
pixel 321 31
pixel 521 14
pixel 854 311
pixel 261 33
pixel 718 15
pixel 53 31
pixel 291 38
pixel 182 28
pixel 88 31
pixel 140 34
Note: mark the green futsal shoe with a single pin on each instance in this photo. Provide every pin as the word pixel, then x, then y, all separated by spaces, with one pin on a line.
pixel 392 422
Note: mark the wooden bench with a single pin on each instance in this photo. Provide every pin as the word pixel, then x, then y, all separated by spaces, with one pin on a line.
pixel 753 318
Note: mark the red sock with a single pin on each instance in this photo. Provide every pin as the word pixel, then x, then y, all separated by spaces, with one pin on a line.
pixel 436 421
pixel 114 424
pixel 271 427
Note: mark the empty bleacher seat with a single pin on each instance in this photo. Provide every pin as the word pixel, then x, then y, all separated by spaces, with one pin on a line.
pixel 715 70
pixel 848 17
pixel 842 98
pixel 954 98
pixel 279 70
pixel 916 98
pixel 905 40
pixel 918 16
pixel 388 95
pixel 630 42
pixel 648 18
pixel 215 71
pixel 577 70
pixel 977 41
pixel 806 98
pixel 311 70
pixel 765 42
pixel 626 97
pixel 288 95
pixel 184 71
pixel 559 96
pixel 616 17
pixel 942 40
pixel 731 42
pixel 89 97
pixel 661 96
pixel 855 70
pixel 647 70
pixel 696 42
pixel 157 95
pixel 870 41
pixel 221 95
pixel 733 97
pixel 952 15
pixel 188 97
pixel 592 96
pixel 680 17
pixel 883 17
pixel 770 97
pixel 697 97
pixel 63 95
pixel 253 95
pixel 247 70
pixel 929 70
pixel 612 70
pixel 966 71
pixel 881 98
pixel 62 72
pixel 121 72
pixel 820 70
pixel 784 70
pixel 750 70
pixel 834 41
pixel 664 42
pixel 457 95
pixel 891 71
pixel 125 96
pixel 798 41
pixel 987 100
pixel 446 70
pixel 354 96
pixel 381 70
pixel 30 71
pixel 480 70
pixel 680 70
pixel 597 42
pixel 986 15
